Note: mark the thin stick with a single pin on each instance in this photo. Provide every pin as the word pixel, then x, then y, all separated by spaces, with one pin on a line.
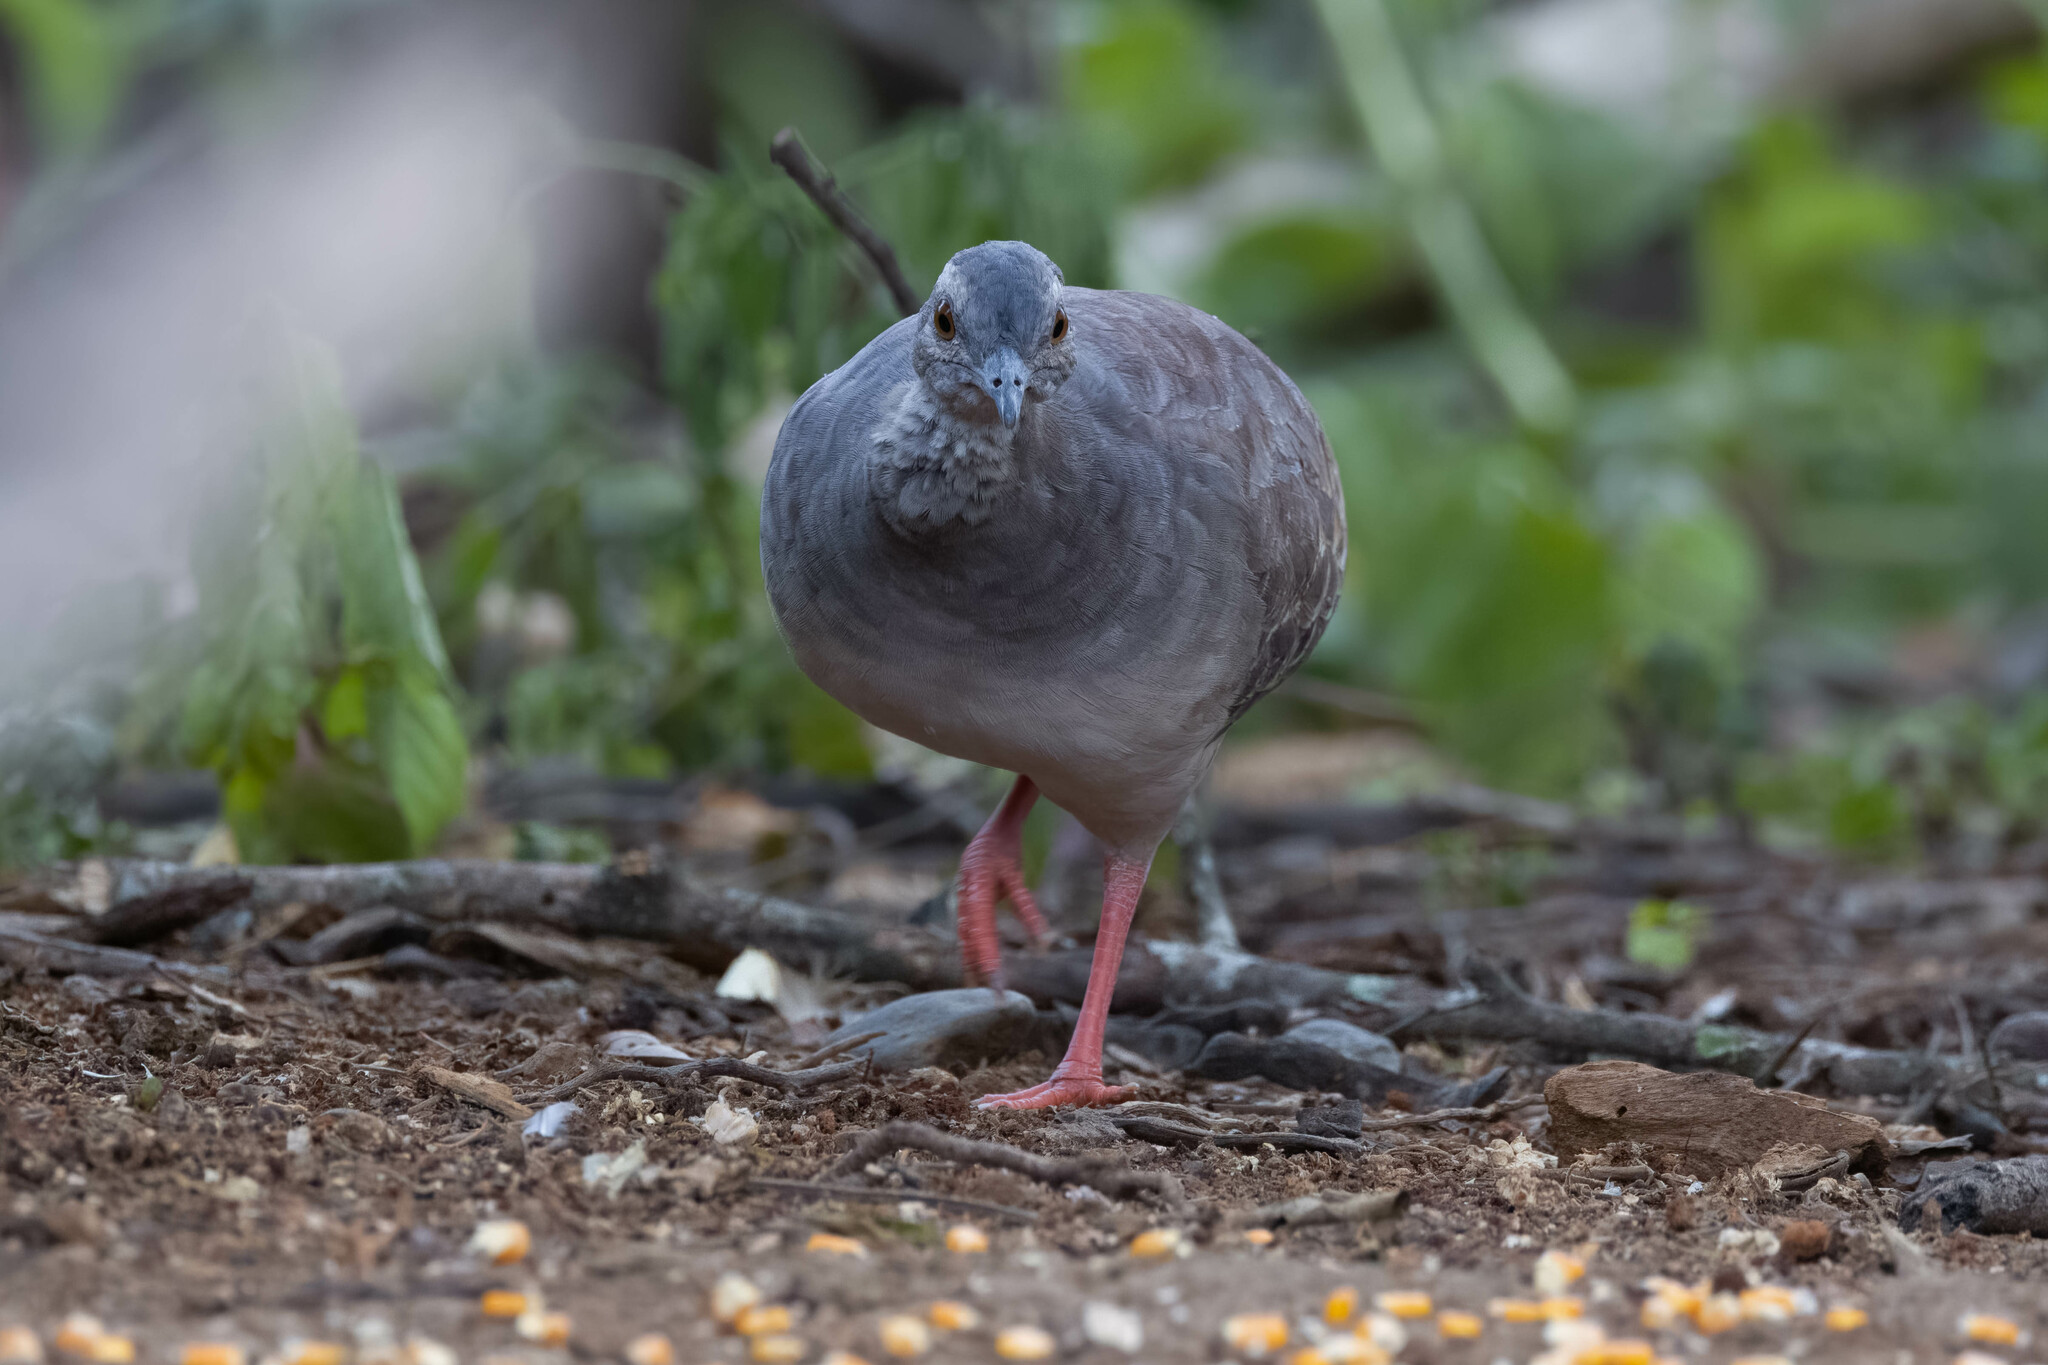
pixel 1486 1115
pixel 831 1050
pixel 673 1076
pixel 788 151
pixel 1112 1180
pixel 868 1195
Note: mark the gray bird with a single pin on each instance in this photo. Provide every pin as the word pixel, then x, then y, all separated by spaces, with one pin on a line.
pixel 1073 533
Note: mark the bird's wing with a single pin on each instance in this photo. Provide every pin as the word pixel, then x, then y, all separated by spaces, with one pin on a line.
pixel 1209 395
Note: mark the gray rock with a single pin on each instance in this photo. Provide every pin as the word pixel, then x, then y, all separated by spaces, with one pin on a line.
pixel 939 1028
pixel 1350 1041
pixel 2021 1037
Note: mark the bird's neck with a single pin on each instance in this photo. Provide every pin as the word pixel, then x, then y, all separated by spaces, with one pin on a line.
pixel 931 468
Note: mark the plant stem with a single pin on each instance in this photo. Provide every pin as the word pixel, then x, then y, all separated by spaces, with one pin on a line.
pixel 1482 302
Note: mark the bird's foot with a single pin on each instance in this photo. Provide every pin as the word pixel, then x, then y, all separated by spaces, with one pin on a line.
pixel 989 872
pixel 1079 1091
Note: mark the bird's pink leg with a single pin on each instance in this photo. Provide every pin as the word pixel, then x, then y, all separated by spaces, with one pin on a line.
pixel 990 869
pixel 1078 1078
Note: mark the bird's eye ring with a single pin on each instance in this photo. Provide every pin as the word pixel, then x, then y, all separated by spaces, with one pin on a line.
pixel 1059 325
pixel 942 322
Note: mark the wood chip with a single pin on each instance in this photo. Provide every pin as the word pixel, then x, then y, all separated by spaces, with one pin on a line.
pixel 493 1095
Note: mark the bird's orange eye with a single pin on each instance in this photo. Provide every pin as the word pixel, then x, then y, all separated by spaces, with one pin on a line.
pixel 1059 326
pixel 942 322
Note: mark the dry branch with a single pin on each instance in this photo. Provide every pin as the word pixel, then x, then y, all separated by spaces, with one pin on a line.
pixel 1108 1178
pixel 789 1082
pixel 1371 1206
pixel 869 1194
pixel 493 1095
pixel 788 151
pixel 1485 1114
pixel 1166 1133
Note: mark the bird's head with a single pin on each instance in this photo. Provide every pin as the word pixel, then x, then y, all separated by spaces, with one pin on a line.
pixel 993 333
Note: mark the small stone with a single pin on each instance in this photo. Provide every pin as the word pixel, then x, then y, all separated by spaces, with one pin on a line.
pixel 1349 1041
pixel 2021 1037
pixel 1805 1239
pixel 1680 1215
pixel 1119 1329
pixel 941 1027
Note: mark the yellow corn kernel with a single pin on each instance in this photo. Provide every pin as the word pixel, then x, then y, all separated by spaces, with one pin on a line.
pixel 1563 1308
pixel 1345 1349
pixel 762 1319
pixel 904 1336
pixel 732 1295
pixel 1988 1329
pixel 776 1349
pixel 212 1353
pixel 20 1346
pixel 1405 1303
pixel 1459 1326
pixel 1340 1307
pixel 1259 1237
pixel 833 1244
pixel 77 1333
pixel 1516 1310
pixel 502 1303
pixel 843 1358
pixel 1024 1343
pixel 1661 1314
pixel 1766 1303
pixel 314 1353
pixel 1718 1313
pixel 1976 1358
pixel 1615 1353
pixel 501 1241
pixel 1843 1318
pixel 1157 1242
pixel 536 1324
pixel 1255 1334
pixel 427 1351
pixel 950 1315
pixel 1557 1272
pixel 965 1237
pixel 111 1348
pixel 1307 1355
pixel 650 1348
pixel 1761 1360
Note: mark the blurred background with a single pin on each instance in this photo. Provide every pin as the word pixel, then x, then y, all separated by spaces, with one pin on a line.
pixel 385 389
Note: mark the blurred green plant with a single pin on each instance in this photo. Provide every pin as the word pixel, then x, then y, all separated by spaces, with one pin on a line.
pixel 317 690
pixel 1665 934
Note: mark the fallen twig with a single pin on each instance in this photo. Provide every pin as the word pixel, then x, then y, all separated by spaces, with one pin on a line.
pixel 838 1049
pixel 673 1076
pixel 788 151
pixel 1165 1133
pixel 1600 1175
pixel 493 1095
pixel 869 1194
pixel 1487 1114
pixel 1108 1178
pixel 1372 1206
pixel 25 947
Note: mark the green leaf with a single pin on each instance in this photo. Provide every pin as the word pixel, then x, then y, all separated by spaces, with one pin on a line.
pixel 420 751
pixel 1665 934
pixel 1714 1042
pixel 346 714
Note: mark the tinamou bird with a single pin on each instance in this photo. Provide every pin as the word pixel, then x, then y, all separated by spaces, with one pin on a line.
pixel 1072 533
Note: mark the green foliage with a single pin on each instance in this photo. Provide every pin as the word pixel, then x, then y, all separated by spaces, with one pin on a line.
pixel 1151 82
pixel 321 694
pixel 1665 934
pixel 74 54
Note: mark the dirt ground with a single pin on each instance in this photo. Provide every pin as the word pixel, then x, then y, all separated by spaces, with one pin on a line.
pixel 301 1177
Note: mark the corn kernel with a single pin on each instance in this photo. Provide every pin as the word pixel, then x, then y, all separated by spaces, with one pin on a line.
pixel 843 1358
pixel 1987 1329
pixel 965 1237
pixel 1761 1360
pixel 1718 1313
pixel 552 1329
pixel 502 1303
pixel 1255 1334
pixel 1307 1355
pixel 1843 1318
pixel 1340 1307
pixel 1766 1303
pixel 113 1349
pixel 1516 1310
pixel 212 1353
pixel 1024 1343
pixel 1384 1331
pixel 950 1315
pixel 1405 1303
pixel 1557 1272
pixel 1259 1237
pixel 77 1333
pixel 501 1241
pixel 762 1319
pixel 904 1336
pixel 1563 1308
pixel 1616 1353
pixel 650 1348
pixel 833 1244
pixel 1459 1326
pixel 1157 1242
pixel 732 1295
pixel 1660 1314
pixel 1976 1358
pixel 776 1349
pixel 20 1346
pixel 427 1351
pixel 1345 1349
pixel 314 1353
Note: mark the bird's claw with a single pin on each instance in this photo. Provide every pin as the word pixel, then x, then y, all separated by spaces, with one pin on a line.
pixel 1079 1091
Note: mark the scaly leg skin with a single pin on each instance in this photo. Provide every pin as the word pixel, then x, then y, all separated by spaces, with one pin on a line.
pixel 1078 1078
pixel 989 870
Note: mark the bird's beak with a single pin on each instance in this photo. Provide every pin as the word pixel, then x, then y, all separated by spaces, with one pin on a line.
pixel 1003 378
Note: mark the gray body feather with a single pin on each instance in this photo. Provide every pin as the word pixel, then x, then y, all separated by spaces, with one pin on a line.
pixel 1090 602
